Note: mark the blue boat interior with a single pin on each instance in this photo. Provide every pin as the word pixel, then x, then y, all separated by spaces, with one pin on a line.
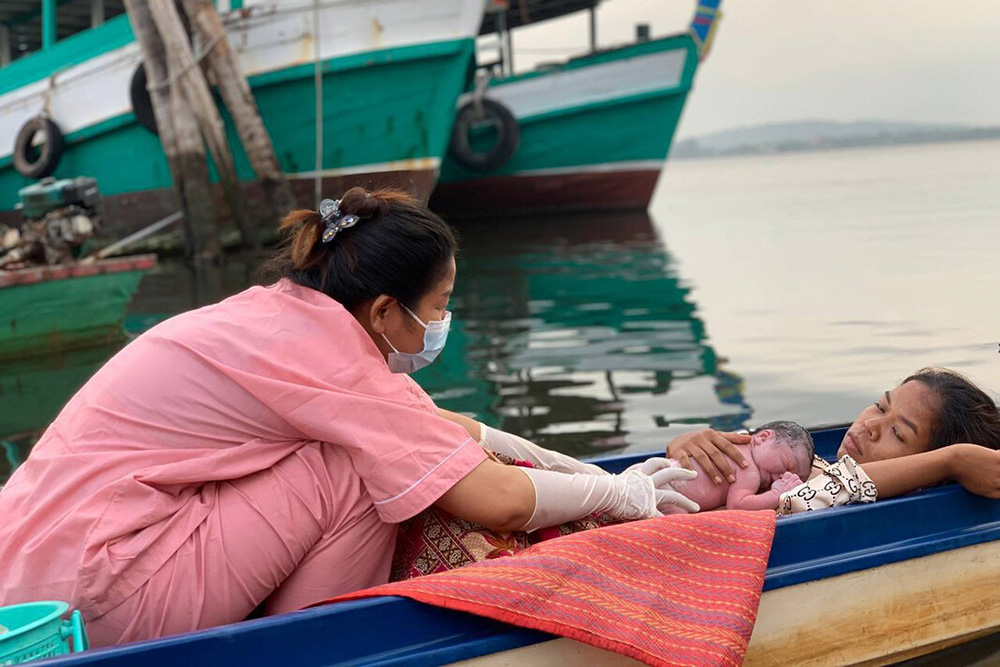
pixel 396 631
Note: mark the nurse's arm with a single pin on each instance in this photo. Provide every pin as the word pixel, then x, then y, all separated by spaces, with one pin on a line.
pixel 975 468
pixel 519 449
pixel 468 423
pixel 498 497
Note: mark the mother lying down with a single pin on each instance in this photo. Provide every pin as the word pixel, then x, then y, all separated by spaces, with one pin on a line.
pixel 935 426
pixel 900 443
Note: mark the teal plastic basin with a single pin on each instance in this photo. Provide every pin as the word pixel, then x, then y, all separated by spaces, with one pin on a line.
pixel 37 630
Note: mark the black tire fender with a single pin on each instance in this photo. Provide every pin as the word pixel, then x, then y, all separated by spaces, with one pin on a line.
pixel 508 135
pixel 142 105
pixel 28 160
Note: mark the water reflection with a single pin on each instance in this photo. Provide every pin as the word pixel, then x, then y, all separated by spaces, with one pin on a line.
pixel 575 332
pixel 32 391
pixel 578 333
pixel 176 286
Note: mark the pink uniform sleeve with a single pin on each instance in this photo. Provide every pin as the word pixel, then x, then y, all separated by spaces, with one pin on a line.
pixel 407 456
pixel 345 395
pixel 307 371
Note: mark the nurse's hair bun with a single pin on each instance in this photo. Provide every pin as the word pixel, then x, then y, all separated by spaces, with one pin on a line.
pixel 304 228
pixel 377 242
pixel 365 204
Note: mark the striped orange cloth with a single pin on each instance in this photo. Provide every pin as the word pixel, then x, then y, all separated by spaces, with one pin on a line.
pixel 676 590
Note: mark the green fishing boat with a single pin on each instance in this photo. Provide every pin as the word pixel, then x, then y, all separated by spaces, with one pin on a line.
pixel 589 133
pixel 44 309
pixel 388 75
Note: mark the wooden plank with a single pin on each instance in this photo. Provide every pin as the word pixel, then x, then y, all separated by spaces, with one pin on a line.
pixel 881 615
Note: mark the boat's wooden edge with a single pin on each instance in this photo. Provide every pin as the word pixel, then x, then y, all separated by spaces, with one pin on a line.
pixel 882 615
pixel 40 274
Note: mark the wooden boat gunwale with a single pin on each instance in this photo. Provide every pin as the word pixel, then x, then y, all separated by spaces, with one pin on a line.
pixel 33 275
pixel 70 306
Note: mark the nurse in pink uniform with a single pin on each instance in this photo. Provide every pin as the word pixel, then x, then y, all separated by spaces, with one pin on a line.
pixel 260 451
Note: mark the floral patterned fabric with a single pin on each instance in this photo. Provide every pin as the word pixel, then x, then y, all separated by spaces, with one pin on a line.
pixel 437 541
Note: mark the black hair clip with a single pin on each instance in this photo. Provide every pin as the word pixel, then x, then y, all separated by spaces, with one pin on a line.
pixel 335 220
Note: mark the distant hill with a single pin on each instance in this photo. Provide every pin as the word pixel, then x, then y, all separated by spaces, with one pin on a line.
pixel 807 135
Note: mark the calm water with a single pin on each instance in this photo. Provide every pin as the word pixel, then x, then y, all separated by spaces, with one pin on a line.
pixel 795 286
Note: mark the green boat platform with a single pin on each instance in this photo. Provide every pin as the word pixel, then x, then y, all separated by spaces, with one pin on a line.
pixel 48 309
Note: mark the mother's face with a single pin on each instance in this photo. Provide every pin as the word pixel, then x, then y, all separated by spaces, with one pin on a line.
pixel 897 424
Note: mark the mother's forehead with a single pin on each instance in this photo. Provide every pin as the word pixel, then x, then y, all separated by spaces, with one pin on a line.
pixel 914 393
pixel 915 401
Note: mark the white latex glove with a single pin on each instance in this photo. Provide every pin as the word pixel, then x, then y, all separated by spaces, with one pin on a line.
pixel 518 448
pixel 654 464
pixel 631 495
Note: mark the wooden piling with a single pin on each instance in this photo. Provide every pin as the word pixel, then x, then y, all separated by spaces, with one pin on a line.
pixel 179 137
pixel 188 119
pixel 224 65
pixel 186 75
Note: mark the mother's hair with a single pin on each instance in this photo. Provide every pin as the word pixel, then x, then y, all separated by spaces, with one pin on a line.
pixel 965 413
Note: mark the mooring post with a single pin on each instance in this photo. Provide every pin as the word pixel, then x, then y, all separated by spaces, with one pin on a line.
pixel 223 63
pixel 593 28
pixel 4 45
pixel 179 136
pixel 96 13
pixel 193 88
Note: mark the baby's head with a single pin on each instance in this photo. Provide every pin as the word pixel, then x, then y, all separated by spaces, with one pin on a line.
pixel 780 447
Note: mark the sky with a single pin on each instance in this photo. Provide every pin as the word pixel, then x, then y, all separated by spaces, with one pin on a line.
pixel 784 60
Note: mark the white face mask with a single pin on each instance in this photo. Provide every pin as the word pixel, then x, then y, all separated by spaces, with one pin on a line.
pixel 435 336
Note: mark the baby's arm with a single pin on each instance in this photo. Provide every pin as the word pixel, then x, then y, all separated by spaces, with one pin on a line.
pixel 743 494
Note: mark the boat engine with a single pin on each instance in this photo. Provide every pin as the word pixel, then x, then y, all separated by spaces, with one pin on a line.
pixel 60 216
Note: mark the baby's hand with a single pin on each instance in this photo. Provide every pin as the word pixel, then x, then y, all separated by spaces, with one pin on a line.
pixel 786 482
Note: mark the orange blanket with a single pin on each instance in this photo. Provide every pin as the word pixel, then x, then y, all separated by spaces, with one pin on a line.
pixel 677 590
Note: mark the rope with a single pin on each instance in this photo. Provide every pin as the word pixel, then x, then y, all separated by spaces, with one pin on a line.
pixel 318 82
pixel 170 80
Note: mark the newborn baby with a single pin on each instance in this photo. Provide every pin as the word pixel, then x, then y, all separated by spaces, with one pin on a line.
pixel 780 455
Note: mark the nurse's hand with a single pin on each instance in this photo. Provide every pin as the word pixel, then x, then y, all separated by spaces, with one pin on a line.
pixel 668 498
pixel 713 450
pixel 629 496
